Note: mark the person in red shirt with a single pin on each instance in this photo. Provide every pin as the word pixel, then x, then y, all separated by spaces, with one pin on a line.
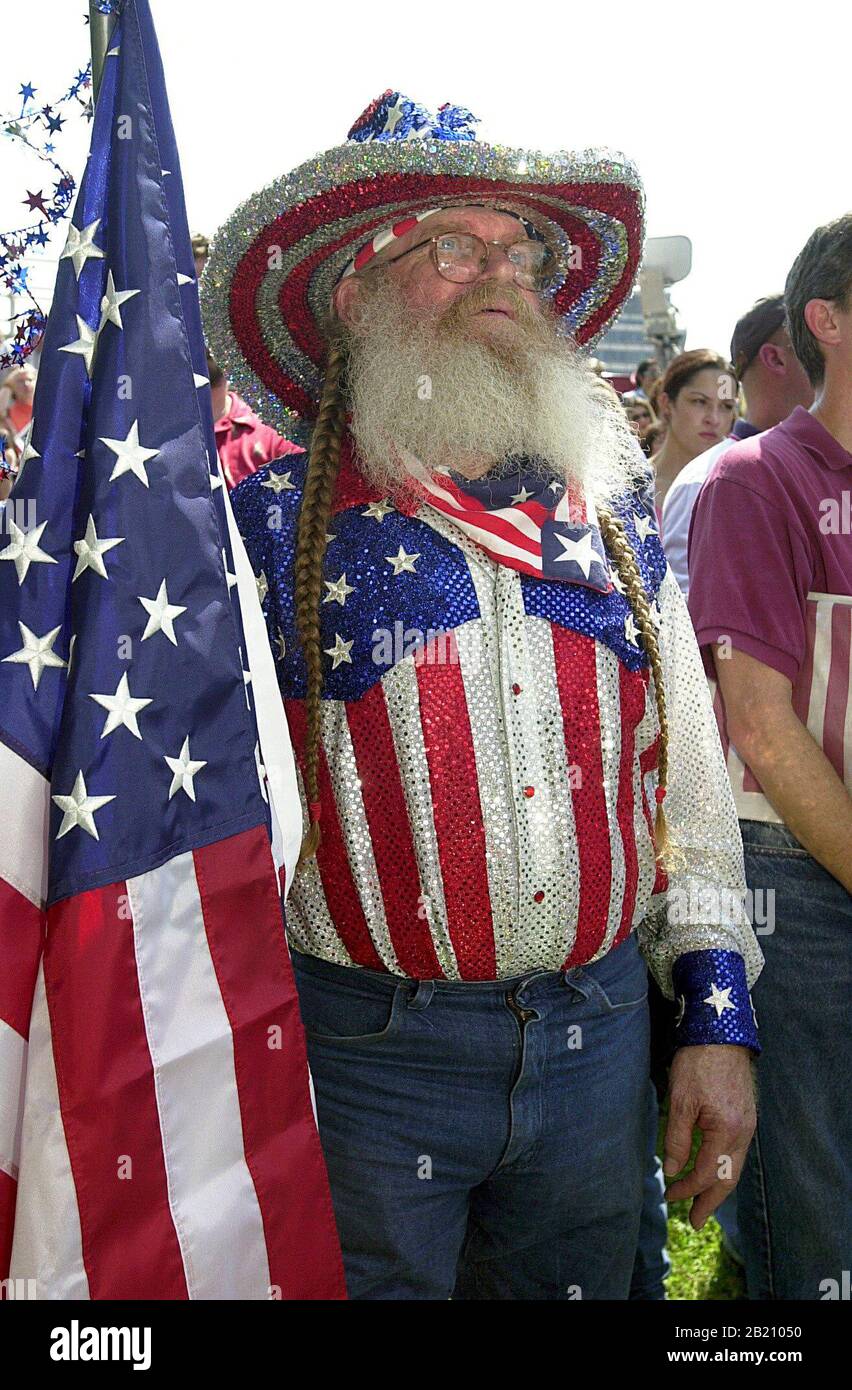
pixel 243 442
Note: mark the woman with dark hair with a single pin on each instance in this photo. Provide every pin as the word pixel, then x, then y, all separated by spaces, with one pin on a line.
pixel 697 401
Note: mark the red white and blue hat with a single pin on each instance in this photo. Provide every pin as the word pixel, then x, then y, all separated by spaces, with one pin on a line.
pixel 273 265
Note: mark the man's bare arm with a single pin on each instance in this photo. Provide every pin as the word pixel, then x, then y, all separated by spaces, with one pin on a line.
pixel 792 769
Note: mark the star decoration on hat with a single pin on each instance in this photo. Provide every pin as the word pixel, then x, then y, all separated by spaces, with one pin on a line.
pixel 338 591
pixel 37 652
pixel 278 482
pixel 184 769
pixel 644 526
pixel 130 455
pixel 80 246
pixel 85 345
pixel 90 551
pixel 24 549
pixel 402 562
pixel 581 551
pixel 79 809
pixel 112 302
pixel 719 999
pixel 122 709
pixel 161 614
pixel 339 652
pixel 378 510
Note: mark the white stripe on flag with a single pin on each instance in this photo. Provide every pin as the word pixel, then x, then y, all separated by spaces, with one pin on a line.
pixel 211 1194
pixel 13 1065
pixel 26 797
pixel 274 735
pixel 48 1245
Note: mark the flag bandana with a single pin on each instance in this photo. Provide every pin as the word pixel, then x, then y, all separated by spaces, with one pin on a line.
pixel 539 527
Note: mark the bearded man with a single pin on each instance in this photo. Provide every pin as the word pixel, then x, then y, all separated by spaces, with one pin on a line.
pixel 490 679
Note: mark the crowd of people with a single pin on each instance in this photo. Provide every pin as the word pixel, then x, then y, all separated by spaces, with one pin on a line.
pixel 749 460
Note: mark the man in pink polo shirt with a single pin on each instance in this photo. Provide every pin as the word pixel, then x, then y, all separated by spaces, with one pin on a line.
pixel 771 599
pixel 243 442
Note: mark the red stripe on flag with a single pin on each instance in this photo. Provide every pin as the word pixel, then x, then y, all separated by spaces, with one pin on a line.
pixel 236 883
pixel 837 690
pixel 107 1099
pixel 21 937
pixel 632 686
pixel 390 834
pixel 488 521
pixel 576 677
pixel 459 825
pixel 8 1197
pixel 339 887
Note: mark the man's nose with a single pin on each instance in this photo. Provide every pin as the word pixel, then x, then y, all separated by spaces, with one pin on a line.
pixel 498 266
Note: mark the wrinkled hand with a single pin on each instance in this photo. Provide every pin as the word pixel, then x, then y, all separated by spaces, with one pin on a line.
pixel 711 1088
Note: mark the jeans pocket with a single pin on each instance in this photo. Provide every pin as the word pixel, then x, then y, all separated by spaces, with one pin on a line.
pixel 618 981
pixel 342 1014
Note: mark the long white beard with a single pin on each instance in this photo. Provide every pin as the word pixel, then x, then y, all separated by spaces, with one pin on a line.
pixel 431 386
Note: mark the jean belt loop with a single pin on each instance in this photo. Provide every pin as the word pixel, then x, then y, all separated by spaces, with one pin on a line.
pixel 422 996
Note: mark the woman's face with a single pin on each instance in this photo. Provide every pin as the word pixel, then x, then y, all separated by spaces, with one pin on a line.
pixel 640 418
pixel 703 411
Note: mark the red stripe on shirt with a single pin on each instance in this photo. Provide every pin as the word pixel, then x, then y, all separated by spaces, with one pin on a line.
pixel 459 824
pixel 576 677
pixel 632 687
pixel 236 881
pixel 21 935
pixel 341 893
pixel 390 834
pixel 106 1093
pixel 837 689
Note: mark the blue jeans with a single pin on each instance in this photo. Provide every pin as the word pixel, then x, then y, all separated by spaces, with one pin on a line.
pixel 483 1140
pixel 794 1199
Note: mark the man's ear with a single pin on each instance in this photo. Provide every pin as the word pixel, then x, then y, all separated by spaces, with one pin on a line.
pixel 773 357
pixel 821 319
pixel 344 300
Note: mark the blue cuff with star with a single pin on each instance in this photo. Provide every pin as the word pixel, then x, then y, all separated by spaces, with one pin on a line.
pixel 714 1005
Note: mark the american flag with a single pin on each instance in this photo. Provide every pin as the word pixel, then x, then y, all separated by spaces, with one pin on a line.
pixel 539 527
pixel 157 1136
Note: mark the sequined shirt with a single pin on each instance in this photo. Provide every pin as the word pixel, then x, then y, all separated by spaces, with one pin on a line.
pixel 488 757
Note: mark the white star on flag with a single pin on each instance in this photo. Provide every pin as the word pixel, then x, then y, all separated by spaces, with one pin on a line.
pixel 79 809
pixel 580 551
pixel 184 769
pixel 112 302
pixel 402 562
pixel 28 451
pixel 340 651
pixel 24 549
pixel 90 551
pixel 37 652
pixel 122 709
pixel 719 999
pixel 85 345
pixel 161 614
pixel 79 246
pixel 522 495
pixel 130 455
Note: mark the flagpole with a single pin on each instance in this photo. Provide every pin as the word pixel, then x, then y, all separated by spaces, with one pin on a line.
pixel 100 27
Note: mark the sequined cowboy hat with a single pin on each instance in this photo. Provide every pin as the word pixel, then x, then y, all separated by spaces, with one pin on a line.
pixel 273 264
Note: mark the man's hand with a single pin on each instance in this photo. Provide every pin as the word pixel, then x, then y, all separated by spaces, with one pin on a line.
pixel 710 1087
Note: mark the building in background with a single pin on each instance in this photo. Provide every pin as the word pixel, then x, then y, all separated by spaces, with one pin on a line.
pixel 648 325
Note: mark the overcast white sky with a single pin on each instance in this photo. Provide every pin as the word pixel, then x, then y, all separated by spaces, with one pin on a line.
pixel 737 115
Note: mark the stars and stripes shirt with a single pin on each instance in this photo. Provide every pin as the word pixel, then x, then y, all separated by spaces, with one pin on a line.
pixel 489 745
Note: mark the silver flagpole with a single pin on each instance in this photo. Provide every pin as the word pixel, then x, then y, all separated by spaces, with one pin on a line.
pixel 100 27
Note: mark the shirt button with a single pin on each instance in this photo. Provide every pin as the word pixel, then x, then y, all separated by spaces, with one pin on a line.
pixel 539 896
pixel 516 689
pixel 529 791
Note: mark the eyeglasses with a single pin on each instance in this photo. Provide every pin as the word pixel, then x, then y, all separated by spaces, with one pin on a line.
pixel 462 257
